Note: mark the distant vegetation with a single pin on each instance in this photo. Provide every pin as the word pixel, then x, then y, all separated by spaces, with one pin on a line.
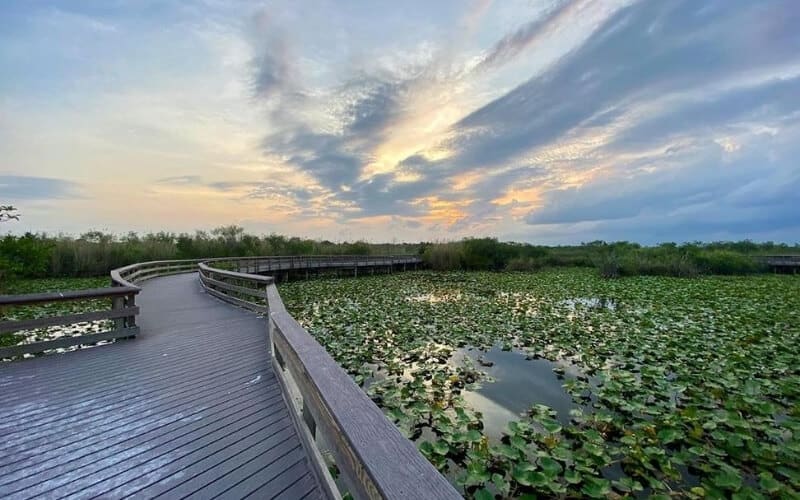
pixel 95 253
pixel 611 259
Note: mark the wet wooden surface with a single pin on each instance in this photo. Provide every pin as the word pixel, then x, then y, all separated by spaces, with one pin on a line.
pixel 190 408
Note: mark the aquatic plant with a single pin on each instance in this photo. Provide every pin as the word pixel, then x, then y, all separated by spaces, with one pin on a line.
pixel 683 388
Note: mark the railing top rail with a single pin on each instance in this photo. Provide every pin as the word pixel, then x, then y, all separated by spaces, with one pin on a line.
pixel 91 293
pixel 234 274
pixel 321 256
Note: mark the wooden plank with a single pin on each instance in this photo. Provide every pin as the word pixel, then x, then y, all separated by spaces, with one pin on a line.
pixel 19 350
pixel 233 274
pixel 272 479
pixel 67 319
pixel 159 271
pixel 239 302
pixel 118 417
pixel 190 403
pixel 89 293
pixel 253 292
pixel 270 463
pixel 221 476
pixel 211 464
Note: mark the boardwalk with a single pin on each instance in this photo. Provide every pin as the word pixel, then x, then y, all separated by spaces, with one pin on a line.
pixel 190 408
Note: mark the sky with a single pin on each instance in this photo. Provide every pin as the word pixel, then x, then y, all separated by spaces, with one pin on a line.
pixel 547 121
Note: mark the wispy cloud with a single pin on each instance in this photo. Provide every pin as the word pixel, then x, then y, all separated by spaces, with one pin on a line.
pixel 548 120
pixel 24 188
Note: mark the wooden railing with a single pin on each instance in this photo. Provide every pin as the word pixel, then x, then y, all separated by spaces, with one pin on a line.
pixel 136 273
pixel 779 260
pixel 123 311
pixel 333 413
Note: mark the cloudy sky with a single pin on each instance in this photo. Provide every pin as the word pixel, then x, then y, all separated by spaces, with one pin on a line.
pixel 551 121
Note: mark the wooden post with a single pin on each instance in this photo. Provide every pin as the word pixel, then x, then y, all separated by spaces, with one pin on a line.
pixel 118 303
pixel 131 302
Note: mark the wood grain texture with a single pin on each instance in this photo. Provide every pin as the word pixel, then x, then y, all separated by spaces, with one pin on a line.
pixel 69 295
pixel 255 292
pixel 376 461
pixel 63 342
pixel 192 405
pixel 67 319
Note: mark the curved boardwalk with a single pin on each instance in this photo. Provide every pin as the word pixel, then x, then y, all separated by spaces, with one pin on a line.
pixel 190 408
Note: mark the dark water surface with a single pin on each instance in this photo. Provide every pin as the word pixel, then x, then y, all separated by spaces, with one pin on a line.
pixel 518 384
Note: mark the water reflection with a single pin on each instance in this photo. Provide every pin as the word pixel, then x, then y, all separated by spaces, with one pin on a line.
pixel 518 384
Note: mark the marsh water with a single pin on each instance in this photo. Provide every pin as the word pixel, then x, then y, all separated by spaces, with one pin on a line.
pixel 516 384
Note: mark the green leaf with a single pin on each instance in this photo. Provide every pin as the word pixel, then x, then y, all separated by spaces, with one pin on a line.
pixel 426 448
pixel 483 494
pixel 669 435
pixel 596 487
pixel 628 485
pixel 509 452
pixel 521 475
pixel 572 476
pixel 441 447
pixel 550 425
pixel 728 480
pixel 550 467
pixel 698 491
pixel 519 443
pixel 473 436
pixel 538 479
pixel 768 483
pixel 476 474
pixel 561 453
pixel 501 484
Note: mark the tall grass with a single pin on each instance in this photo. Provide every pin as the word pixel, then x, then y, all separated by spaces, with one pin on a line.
pixel 610 259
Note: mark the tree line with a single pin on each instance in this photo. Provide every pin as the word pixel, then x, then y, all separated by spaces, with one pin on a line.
pixel 95 253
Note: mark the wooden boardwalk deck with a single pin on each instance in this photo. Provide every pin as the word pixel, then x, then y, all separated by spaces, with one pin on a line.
pixel 189 409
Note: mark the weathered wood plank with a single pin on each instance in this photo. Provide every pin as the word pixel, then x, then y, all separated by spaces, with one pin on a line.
pixel 66 319
pixel 160 271
pixel 260 293
pixel 181 405
pixel 233 274
pixel 333 405
pixel 239 302
pixel 41 298
pixel 19 350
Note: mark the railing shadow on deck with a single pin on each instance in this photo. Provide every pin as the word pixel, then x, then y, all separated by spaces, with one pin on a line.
pixel 333 414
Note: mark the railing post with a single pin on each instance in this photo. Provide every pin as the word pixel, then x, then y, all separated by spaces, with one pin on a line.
pixel 117 304
pixel 131 303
